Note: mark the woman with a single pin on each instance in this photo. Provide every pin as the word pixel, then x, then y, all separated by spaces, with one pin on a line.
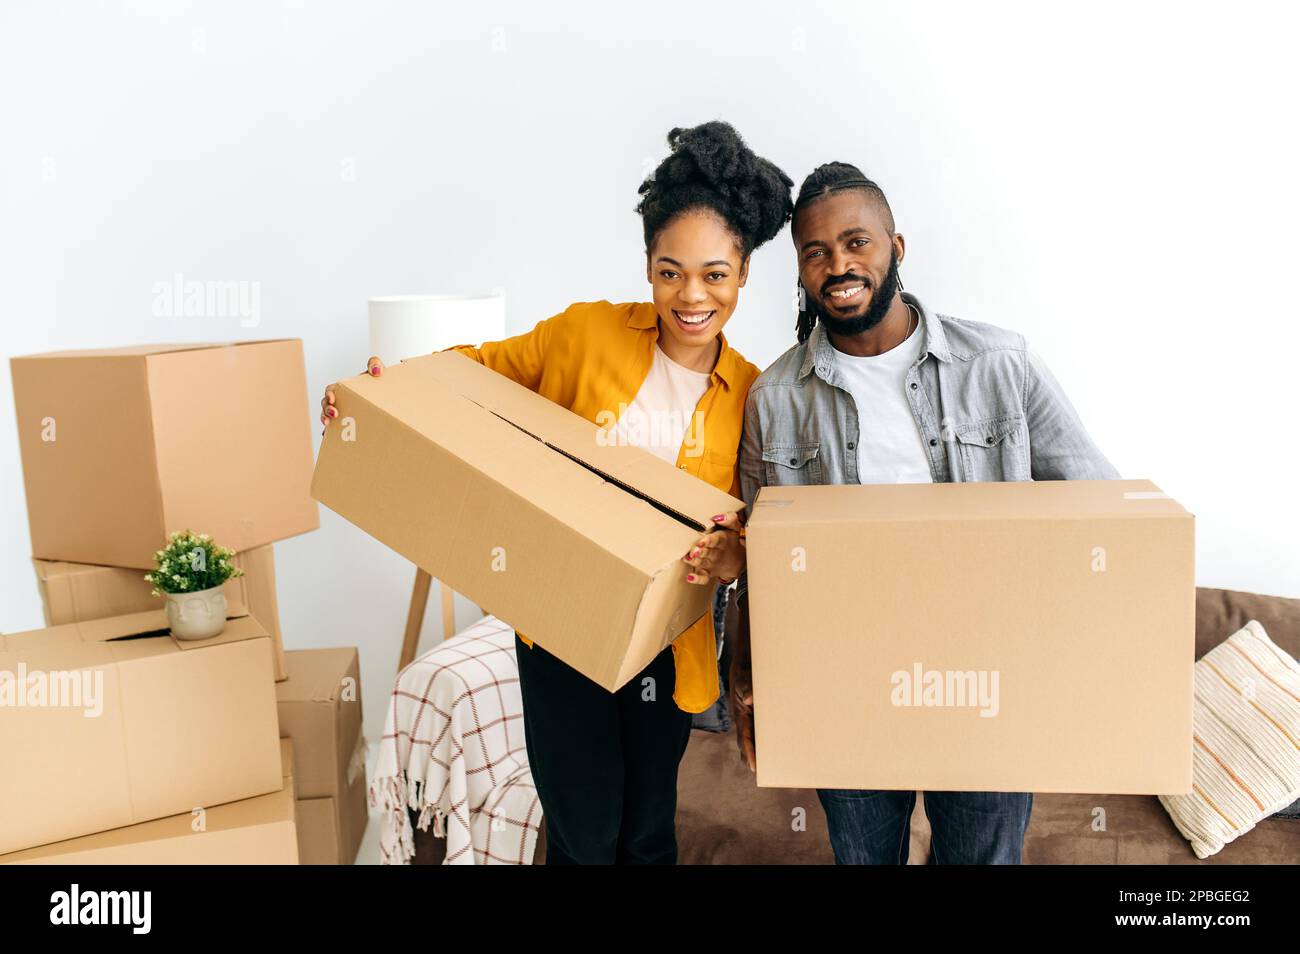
pixel 659 375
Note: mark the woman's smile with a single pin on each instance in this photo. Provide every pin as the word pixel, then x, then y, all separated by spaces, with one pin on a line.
pixel 694 322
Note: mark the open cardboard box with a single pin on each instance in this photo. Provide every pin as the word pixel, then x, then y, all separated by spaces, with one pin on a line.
pixel 524 507
pixel 1025 637
pixel 146 725
pixel 72 592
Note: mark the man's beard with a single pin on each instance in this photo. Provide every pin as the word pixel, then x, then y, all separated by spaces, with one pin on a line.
pixel 881 299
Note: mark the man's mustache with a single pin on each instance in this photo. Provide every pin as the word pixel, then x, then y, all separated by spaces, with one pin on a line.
pixel 847 278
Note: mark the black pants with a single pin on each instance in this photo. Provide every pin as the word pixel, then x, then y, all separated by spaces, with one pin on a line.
pixel 605 764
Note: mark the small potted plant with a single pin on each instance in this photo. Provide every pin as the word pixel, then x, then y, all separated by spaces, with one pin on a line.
pixel 190 574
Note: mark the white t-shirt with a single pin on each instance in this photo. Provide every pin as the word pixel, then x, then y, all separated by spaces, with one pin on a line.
pixel 890 450
pixel 659 415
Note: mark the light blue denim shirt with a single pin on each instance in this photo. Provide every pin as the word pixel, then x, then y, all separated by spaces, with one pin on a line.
pixel 987 408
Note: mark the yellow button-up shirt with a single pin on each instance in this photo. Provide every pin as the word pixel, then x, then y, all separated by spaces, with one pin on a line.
pixel 592 358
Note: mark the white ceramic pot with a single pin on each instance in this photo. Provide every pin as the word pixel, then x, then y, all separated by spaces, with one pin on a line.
pixel 198 615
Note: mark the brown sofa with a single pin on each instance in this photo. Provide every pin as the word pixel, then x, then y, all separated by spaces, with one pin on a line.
pixel 723 818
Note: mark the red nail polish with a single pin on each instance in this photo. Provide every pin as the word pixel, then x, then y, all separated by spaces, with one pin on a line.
pixel 690 577
pixel 717 516
pixel 374 372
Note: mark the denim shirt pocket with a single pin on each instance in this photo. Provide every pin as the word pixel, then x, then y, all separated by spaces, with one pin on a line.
pixel 787 465
pixel 994 448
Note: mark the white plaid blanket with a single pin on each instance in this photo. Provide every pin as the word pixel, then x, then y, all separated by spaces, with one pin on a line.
pixel 453 750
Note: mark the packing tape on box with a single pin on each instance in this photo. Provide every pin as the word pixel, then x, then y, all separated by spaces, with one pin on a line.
pixel 357 764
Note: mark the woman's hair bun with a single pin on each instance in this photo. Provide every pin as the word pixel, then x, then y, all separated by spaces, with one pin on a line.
pixel 711 167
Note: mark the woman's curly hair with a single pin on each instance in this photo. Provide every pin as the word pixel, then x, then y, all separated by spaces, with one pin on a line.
pixel 711 167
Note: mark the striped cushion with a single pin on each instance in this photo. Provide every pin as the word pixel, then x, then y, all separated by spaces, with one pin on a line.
pixel 1245 741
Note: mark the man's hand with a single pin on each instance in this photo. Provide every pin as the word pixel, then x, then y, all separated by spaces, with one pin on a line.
pixel 742 713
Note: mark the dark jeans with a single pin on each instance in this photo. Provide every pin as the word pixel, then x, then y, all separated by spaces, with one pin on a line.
pixel 966 828
pixel 604 763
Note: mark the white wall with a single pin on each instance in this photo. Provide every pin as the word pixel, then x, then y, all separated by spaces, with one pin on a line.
pixel 1118 184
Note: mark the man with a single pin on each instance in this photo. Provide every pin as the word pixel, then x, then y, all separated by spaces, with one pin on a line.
pixel 880 390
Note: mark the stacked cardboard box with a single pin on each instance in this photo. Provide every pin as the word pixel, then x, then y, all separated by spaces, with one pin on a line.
pixel 320 711
pixel 119 737
pixel 112 722
pixel 258 830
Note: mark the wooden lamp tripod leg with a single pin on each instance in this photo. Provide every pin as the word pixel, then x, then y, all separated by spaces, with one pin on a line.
pixel 415 616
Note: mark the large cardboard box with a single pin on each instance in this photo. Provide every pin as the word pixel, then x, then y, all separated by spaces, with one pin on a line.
pixel 122 446
pixel 72 592
pixel 319 708
pixel 523 506
pixel 1032 637
pixel 112 722
pixel 254 831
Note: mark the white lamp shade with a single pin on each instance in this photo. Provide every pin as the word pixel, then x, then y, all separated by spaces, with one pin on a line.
pixel 403 326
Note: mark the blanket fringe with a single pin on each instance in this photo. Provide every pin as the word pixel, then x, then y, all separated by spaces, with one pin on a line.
pixel 394 796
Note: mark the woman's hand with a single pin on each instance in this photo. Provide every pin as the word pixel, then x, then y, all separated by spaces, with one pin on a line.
pixel 718 556
pixel 328 411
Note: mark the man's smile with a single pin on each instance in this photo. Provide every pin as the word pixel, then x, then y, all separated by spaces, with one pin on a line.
pixel 847 296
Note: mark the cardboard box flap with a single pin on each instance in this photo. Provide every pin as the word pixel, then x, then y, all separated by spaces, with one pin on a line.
pixel 56 648
pixel 105 630
pixel 154 623
pixel 666 486
pixel 635 470
pixel 142 351
pixel 49 644
pixel 47 570
pixel 314 675
pixel 1025 500
pixel 79 591
pixel 237 630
